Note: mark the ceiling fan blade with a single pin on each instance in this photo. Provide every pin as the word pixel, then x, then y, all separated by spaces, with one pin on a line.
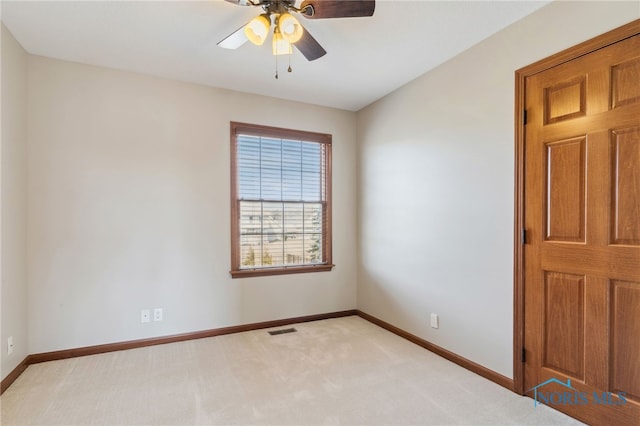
pixel 235 39
pixel 322 9
pixel 309 47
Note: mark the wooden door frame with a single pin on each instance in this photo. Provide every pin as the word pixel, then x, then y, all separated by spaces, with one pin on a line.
pixel 629 30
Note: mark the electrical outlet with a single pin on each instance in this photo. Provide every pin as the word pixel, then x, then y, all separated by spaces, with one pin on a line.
pixel 157 314
pixel 145 315
pixel 10 345
pixel 435 321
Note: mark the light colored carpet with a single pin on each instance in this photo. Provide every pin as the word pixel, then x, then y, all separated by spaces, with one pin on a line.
pixel 343 371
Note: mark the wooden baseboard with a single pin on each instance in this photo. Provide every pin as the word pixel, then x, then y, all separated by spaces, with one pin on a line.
pixel 11 377
pixel 132 344
pixel 455 358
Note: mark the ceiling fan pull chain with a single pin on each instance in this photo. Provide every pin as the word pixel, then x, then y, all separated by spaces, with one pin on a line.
pixel 289 69
pixel 276 67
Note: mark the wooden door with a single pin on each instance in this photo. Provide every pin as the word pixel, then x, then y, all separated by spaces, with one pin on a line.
pixel 582 224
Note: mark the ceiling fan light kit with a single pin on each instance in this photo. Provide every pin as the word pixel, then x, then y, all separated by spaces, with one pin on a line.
pixel 257 30
pixel 289 27
pixel 287 31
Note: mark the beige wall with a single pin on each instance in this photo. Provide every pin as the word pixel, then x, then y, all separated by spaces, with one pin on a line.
pixel 436 186
pixel 129 208
pixel 13 254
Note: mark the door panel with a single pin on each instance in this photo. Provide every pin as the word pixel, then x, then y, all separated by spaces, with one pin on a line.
pixel 565 186
pixel 625 186
pixel 582 216
pixel 624 83
pixel 565 101
pixel 625 342
pixel 564 328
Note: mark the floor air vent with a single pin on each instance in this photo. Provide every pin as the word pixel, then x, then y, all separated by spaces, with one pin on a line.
pixel 283 331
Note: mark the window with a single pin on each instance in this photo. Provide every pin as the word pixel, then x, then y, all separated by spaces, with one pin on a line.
pixel 280 201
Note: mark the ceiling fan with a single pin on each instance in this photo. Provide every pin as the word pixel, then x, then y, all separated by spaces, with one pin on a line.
pixel 287 31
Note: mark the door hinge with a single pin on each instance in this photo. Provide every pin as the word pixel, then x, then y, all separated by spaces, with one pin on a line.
pixel 523 236
pixel 523 356
pixel 524 117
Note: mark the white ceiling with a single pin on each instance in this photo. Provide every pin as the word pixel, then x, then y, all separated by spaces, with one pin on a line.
pixel 367 57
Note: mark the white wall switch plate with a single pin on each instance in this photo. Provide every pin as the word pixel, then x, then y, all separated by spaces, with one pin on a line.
pixel 435 321
pixel 145 315
pixel 10 345
pixel 157 314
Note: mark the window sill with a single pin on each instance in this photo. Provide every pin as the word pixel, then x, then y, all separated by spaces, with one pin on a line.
pixel 246 273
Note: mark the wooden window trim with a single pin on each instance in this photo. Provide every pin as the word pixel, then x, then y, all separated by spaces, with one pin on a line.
pixel 281 133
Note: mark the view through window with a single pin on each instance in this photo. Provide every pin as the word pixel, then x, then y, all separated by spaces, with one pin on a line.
pixel 281 218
